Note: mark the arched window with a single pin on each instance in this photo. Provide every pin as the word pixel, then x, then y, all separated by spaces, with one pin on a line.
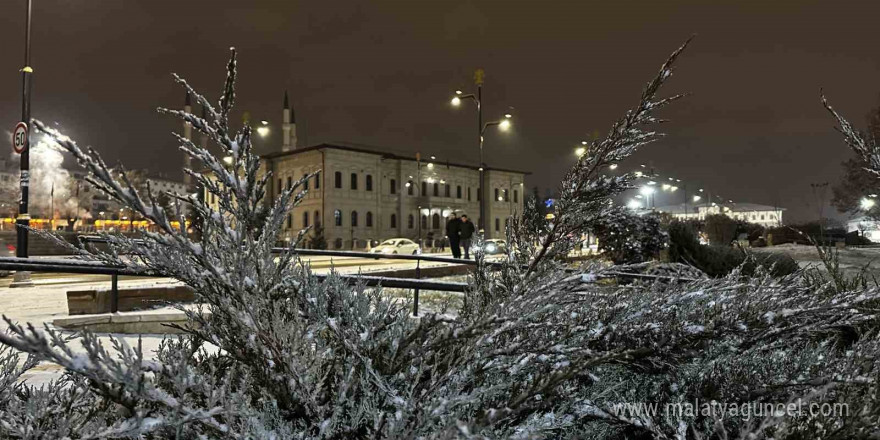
pixel 369 219
pixel 446 191
pixel 337 217
pixel 289 182
pixel 289 221
pixel 354 181
pixel 354 218
pixel 458 192
pixel 411 222
pixel 515 196
pixel 306 219
pixel 393 186
pixel 409 188
pixel 424 189
pixel 306 184
pixel 337 178
pixel 280 188
pixel 497 194
pixel 435 221
pixel 436 189
pixel 469 194
pixel 318 180
pixel 368 185
pixel 424 221
pixel 506 223
pixel 393 220
pixel 317 218
pixel 497 224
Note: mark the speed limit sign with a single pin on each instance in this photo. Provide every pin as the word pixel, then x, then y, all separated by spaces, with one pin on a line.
pixel 20 137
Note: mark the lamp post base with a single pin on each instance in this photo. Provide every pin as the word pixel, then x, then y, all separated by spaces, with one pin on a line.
pixel 22 279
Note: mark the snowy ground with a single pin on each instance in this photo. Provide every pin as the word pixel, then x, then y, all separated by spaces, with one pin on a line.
pixel 41 304
pixel 851 259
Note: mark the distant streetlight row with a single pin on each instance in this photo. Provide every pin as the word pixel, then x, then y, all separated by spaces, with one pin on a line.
pixel 648 190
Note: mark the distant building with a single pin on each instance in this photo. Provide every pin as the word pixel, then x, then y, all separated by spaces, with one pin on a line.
pixel 767 216
pixel 360 195
pixel 866 227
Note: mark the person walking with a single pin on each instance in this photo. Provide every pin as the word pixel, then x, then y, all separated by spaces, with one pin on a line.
pixel 453 227
pixel 466 234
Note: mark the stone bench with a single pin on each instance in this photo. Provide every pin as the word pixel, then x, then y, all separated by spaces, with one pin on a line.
pixel 95 301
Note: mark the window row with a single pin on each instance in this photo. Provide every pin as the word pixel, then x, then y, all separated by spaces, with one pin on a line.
pixel 368 181
pixel 501 195
pixel 316 178
pixel 305 220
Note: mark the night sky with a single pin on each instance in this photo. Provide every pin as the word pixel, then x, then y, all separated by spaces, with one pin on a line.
pixel 382 74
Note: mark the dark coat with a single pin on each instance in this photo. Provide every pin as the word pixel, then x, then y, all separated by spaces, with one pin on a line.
pixel 467 230
pixel 453 227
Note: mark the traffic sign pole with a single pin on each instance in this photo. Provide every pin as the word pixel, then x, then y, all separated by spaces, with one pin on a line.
pixel 23 279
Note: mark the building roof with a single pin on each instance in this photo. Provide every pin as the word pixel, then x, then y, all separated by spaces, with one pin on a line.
pixel 385 155
pixel 734 207
pixel 749 207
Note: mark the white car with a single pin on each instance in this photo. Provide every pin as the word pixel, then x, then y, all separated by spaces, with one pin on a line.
pixel 494 246
pixel 403 246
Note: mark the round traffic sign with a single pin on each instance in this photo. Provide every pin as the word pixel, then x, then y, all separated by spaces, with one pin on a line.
pixel 20 137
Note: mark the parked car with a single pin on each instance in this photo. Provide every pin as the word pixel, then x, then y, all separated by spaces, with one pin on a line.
pixel 402 246
pixel 494 246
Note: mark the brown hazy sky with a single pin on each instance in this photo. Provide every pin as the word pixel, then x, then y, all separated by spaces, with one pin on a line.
pixel 381 73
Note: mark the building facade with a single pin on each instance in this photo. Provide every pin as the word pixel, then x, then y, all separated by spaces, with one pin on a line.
pixel 866 227
pixel 360 196
pixel 767 216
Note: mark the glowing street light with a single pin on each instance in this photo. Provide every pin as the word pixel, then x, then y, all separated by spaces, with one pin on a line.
pixel 867 203
pixel 580 151
pixel 646 190
pixel 263 129
pixel 634 204
pixel 697 198
pixel 612 166
pixel 666 186
pixel 504 125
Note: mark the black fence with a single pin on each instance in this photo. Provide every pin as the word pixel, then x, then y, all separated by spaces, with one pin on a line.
pixel 57 265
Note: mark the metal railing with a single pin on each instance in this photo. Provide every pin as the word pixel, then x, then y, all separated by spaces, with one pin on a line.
pixel 417 284
pixel 96 268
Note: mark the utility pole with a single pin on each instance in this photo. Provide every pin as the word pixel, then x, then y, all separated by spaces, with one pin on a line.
pixel 478 79
pixel 23 279
pixel 819 190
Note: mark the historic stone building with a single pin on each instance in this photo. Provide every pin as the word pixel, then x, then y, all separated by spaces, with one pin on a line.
pixel 360 195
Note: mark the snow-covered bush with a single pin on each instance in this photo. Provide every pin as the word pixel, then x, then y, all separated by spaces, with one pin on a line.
pixel 627 238
pixel 536 350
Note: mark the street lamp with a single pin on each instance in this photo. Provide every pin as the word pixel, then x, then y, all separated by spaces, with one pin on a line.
pixel 23 220
pixel 867 203
pixel 503 125
pixel 697 198
pixel 580 151
pixel 263 129
pixel 634 204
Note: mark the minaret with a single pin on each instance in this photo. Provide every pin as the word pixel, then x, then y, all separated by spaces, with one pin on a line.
pixel 187 134
pixel 288 126
pixel 203 139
